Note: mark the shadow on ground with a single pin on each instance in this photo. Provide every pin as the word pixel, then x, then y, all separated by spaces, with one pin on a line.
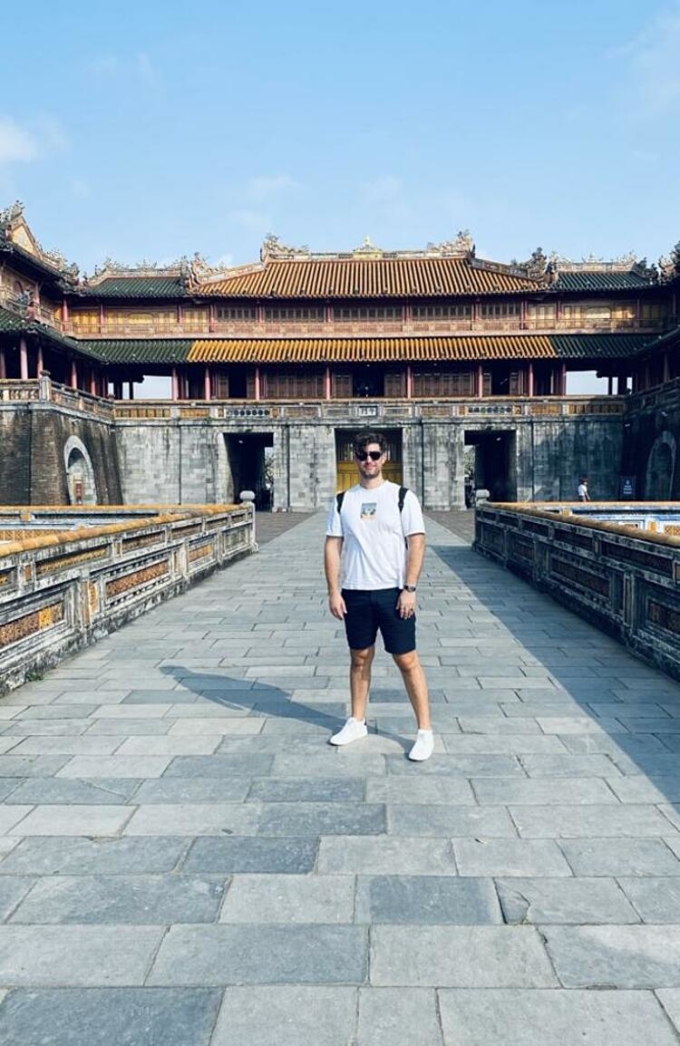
pixel 635 705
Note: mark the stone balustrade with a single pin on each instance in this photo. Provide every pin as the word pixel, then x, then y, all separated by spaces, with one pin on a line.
pixel 62 589
pixel 624 580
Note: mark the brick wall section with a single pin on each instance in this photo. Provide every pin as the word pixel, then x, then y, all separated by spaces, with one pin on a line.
pixel 32 469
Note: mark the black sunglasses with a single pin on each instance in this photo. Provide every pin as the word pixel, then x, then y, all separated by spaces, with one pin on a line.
pixel 374 455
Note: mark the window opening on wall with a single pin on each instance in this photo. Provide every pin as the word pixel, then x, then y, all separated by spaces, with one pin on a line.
pixel 366 313
pixel 499 310
pixel 441 312
pixel 293 313
pixel 228 313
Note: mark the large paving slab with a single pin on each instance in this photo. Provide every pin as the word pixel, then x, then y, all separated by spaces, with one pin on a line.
pixel 184 858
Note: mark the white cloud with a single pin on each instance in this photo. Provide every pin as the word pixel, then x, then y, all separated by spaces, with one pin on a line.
pixel 654 60
pixel 16 144
pixel 147 71
pixel 253 221
pixel 80 188
pixel 383 190
pixel 137 67
pixel 265 187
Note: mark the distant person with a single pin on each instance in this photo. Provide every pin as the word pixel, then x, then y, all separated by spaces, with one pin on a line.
pixel 377 530
pixel 582 490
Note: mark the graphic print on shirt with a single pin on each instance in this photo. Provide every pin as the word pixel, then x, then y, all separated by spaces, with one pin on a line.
pixel 368 509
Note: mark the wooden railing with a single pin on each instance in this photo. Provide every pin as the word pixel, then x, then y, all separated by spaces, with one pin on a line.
pixel 47 391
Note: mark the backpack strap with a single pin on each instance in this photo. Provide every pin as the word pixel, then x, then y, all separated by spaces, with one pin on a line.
pixel 403 491
pixel 339 498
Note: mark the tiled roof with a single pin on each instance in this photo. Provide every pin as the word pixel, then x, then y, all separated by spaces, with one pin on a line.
pixel 666 341
pixel 160 350
pixel 136 287
pixel 593 280
pixel 364 278
pixel 10 322
pixel 454 347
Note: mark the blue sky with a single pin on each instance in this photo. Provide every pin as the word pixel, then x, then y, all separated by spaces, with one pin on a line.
pixel 149 130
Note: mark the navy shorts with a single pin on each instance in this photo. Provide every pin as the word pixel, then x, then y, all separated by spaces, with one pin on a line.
pixel 371 611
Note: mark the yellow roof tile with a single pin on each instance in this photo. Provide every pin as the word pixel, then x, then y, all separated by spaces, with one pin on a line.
pixel 364 278
pixel 330 350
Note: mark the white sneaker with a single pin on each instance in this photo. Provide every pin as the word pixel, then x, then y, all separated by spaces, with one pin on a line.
pixel 424 746
pixel 353 730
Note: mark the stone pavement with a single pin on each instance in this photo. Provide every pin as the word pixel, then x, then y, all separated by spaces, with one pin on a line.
pixel 186 862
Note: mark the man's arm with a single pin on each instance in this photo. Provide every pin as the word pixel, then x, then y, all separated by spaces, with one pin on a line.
pixel 331 562
pixel 406 604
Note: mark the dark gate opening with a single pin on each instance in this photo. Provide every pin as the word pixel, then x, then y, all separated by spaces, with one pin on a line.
pixel 249 456
pixel 495 466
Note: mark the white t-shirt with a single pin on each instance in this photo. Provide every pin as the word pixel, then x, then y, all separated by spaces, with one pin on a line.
pixel 373 529
pixel 582 491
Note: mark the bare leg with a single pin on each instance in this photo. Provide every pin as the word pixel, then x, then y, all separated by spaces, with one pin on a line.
pixel 416 686
pixel 360 680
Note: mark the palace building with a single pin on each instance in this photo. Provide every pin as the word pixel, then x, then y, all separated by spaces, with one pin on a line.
pixel 272 367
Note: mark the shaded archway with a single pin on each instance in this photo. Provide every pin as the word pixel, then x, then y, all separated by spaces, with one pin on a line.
pixel 660 469
pixel 82 489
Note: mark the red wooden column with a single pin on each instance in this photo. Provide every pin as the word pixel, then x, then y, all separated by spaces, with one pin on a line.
pixel 23 358
pixel 207 384
pixel 257 383
pixel 409 381
pixel 563 380
pixel 74 375
pixel 327 383
pixel 530 383
pixel 480 381
pixel 40 365
pixel 175 384
pixel 3 365
pixel 93 383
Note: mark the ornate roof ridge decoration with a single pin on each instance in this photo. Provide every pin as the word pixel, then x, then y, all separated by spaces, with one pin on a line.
pixel 110 268
pixel 14 229
pixel 272 249
pixel 461 247
pixel 669 265
pixel 625 263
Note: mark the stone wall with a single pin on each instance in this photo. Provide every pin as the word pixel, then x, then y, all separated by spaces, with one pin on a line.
pixel 625 581
pixel 178 454
pixel 651 446
pixel 32 441
pixel 64 590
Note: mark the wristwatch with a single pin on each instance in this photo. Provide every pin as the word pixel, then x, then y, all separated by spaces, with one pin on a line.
pixel 409 588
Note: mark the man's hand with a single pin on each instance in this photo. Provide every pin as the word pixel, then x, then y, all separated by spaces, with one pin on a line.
pixel 406 604
pixel 336 605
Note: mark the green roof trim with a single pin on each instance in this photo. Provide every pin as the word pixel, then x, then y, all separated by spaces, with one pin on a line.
pixel 670 340
pixel 158 350
pixel 600 281
pixel 136 287
pixel 10 322
pixel 598 346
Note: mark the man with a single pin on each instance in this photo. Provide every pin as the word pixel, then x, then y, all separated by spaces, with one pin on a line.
pixel 582 490
pixel 380 546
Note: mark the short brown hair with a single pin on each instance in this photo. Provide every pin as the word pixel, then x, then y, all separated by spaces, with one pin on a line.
pixel 363 439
